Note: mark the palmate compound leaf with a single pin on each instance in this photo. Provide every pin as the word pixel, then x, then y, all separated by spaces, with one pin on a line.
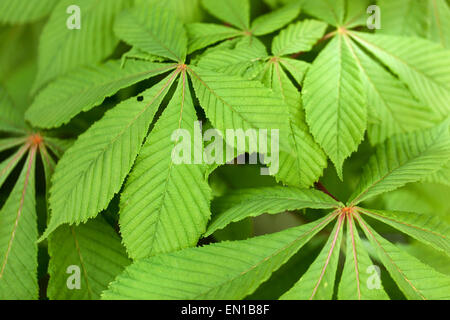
pixel 355 283
pixel 304 165
pixel 390 101
pixel 334 101
pixel 94 168
pixel 154 29
pixel 318 281
pixel 86 88
pixel 415 279
pixel 226 270
pixel 202 35
pixel 426 228
pixel 93 249
pixel 18 235
pixel 24 11
pixel 423 65
pixel 272 200
pixel 62 49
pixel 403 159
pixel 165 203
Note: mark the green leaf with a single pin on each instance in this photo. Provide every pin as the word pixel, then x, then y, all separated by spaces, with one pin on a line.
pixel 424 253
pixel 415 279
pixel 296 68
pixel 49 165
pixel 62 49
pixel 137 54
pixel 11 118
pixel 318 281
pixel 154 29
pixel 356 13
pixel 304 165
pixel 221 96
pixel 441 176
pixel 8 165
pixel 226 270
pixel 24 11
pixel 427 19
pixel 297 37
pixel 275 20
pixel 187 10
pixel 95 249
pixel 403 159
pixel 18 235
pixel 202 35
pixel 420 197
pixel 396 108
pixel 423 65
pixel 236 231
pixel 338 12
pixel 334 101
pixel 58 146
pixel 403 17
pixel 94 168
pixel 272 200
pixel 438 19
pixel 236 12
pixel 162 210
pixel 354 283
pixel 426 228
pixel 330 11
pixel 9 143
pixel 246 58
pixel 86 88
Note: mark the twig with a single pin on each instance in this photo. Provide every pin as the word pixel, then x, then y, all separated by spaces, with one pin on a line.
pixel 322 188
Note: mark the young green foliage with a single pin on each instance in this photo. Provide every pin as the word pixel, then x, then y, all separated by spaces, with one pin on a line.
pixel 411 275
pixel 121 218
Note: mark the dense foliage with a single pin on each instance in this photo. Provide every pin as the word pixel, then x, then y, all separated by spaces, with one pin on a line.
pixel 93 204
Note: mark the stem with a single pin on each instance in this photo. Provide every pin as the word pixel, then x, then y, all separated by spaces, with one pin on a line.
pixel 322 188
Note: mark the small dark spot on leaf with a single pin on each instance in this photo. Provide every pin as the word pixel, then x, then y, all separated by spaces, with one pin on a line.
pixel 140 98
